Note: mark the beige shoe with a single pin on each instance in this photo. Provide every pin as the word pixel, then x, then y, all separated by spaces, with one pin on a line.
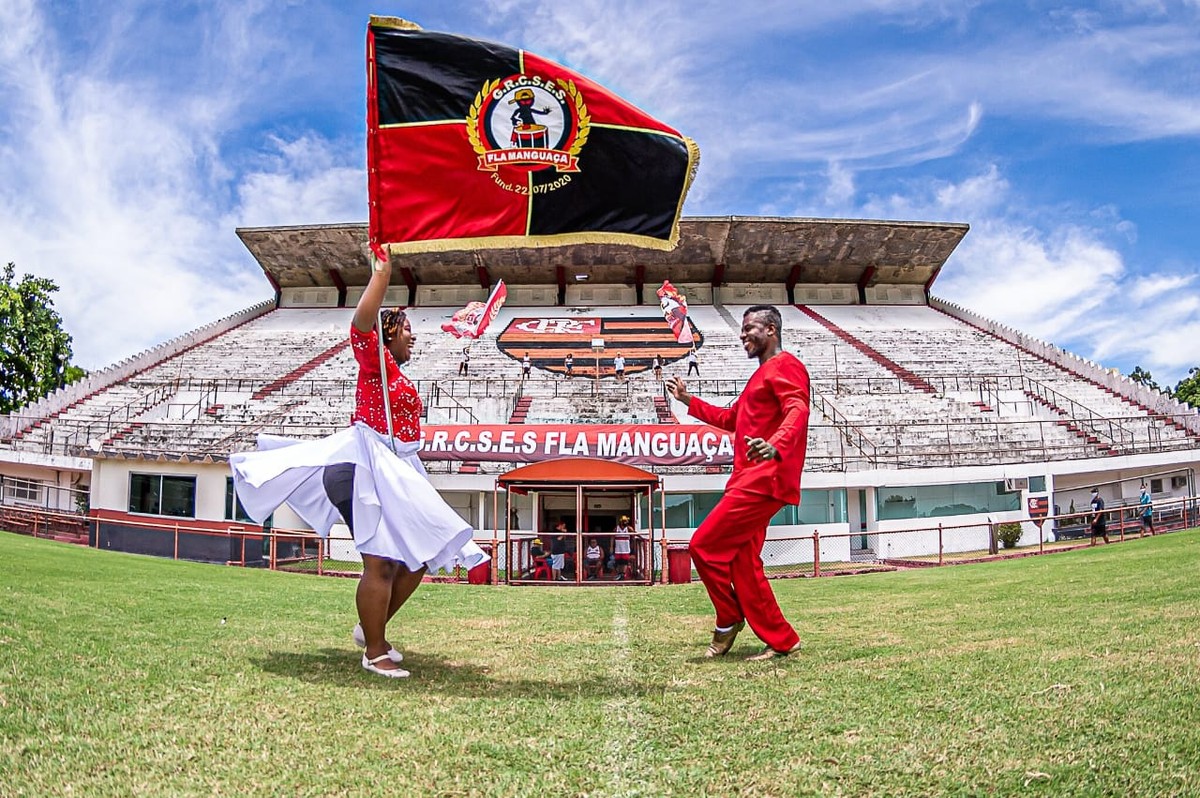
pixel 723 641
pixel 770 653
pixel 372 665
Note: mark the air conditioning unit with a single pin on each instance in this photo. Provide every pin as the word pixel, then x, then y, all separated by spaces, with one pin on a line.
pixel 1016 484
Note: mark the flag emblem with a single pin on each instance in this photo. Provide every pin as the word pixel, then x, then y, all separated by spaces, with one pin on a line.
pixel 528 123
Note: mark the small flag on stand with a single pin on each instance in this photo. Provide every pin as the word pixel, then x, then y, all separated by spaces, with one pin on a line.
pixel 471 321
pixel 674 308
pixel 474 145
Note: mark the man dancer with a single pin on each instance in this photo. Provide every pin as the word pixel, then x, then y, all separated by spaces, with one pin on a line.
pixel 770 422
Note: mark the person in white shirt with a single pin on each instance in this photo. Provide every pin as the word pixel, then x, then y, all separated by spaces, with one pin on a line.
pixel 622 548
pixel 619 366
pixel 592 557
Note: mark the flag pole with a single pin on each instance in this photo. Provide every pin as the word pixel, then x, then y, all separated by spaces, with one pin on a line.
pixel 383 375
pixel 383 380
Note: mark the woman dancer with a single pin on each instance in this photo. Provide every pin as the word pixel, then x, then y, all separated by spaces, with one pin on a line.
pixel 377 485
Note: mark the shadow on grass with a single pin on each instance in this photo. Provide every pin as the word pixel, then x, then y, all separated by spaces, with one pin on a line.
pixel 435 674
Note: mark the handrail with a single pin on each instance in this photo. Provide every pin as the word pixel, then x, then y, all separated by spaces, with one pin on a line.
pixel 436 394
pixel 1088 418
pixel 848 431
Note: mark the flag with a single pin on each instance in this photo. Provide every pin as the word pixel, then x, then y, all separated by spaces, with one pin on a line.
pixel 674 308
pixel 475 145
pixel 471 321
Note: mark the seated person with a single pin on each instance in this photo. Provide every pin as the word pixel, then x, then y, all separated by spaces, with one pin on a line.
pixel 540 568
pixel 592 557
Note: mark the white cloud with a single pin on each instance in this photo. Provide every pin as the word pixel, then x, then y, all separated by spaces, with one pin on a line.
pixel 840 190
pixel 116 187
pixel 305 181
pixel 1054 277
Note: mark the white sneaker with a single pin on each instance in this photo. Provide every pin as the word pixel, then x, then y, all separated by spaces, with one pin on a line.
pixel 360 640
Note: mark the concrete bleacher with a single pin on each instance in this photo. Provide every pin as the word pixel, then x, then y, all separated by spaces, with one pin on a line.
pixel 952 354
pixel 289 372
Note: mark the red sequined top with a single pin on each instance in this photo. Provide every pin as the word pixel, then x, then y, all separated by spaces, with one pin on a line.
pixel 368 399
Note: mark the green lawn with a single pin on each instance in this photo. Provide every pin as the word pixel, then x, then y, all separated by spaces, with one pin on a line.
pixel 1077 674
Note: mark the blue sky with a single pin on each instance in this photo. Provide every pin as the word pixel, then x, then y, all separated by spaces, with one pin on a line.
pixel 135 136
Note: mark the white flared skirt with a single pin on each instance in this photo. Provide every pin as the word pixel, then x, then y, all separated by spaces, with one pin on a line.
pixel 397 513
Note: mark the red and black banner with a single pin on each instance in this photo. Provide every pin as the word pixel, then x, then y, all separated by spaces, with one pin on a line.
pixel 474 145
pixel 635 444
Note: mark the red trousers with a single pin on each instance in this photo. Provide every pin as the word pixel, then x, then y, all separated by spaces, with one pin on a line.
pixel 727 551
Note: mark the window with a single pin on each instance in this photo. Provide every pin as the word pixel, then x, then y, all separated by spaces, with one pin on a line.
pixel 1178 482
pixel 688 510
pixel 24 491
pixel 157 494
pixel 1156 486
pixel 935 501
pixel 1037 484
pixel 234 511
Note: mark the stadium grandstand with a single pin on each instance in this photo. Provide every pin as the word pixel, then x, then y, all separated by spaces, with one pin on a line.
pixel 931 426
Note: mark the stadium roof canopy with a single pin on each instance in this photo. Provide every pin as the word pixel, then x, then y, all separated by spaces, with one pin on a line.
pixel 717 250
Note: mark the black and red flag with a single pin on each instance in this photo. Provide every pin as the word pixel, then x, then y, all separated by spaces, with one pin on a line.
pixel 478 145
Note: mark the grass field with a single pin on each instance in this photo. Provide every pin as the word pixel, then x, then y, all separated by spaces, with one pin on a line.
pixel 1075 674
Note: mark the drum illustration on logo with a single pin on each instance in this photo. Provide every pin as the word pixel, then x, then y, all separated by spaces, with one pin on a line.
pixel 527 123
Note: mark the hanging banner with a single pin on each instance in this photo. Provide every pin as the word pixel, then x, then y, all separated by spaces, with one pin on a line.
pixel 471 321
pixel 634 444
pixel 1039 508
pixel 674 308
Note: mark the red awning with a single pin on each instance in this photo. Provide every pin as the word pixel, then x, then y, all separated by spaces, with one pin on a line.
pixel 577 471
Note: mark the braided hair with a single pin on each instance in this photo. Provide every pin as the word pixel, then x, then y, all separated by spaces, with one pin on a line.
pixel 391 322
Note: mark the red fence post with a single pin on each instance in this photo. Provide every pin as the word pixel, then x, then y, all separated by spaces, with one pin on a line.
pixel 495 552
pixel 320 556
pixel 816 553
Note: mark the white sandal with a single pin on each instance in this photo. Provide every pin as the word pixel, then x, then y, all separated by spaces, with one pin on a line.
pixel 360 640
pixel 395 673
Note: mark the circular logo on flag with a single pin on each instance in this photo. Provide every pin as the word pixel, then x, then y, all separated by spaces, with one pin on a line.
pixel 528 123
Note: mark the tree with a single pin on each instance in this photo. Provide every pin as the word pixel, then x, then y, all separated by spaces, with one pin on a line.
pixel 1141 376
pixel 35 351
pixel 1188 389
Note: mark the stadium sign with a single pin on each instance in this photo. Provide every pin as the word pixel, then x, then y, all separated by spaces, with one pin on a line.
pixel 633 444
pixel 549 339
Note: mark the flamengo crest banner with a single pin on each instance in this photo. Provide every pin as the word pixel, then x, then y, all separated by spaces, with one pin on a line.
pixel 476 145
pixel 634 444
pixel 471 321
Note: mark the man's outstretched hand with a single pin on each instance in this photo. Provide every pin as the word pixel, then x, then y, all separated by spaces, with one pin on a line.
pixel 678 389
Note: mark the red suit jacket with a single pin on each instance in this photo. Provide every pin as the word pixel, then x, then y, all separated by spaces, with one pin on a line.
pixel 773 406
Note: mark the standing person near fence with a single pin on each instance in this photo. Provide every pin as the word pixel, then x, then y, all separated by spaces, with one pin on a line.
pixel 401 526
pixel 693 361
pixel 770 422
pixel 1099 522
pixel 1146 510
